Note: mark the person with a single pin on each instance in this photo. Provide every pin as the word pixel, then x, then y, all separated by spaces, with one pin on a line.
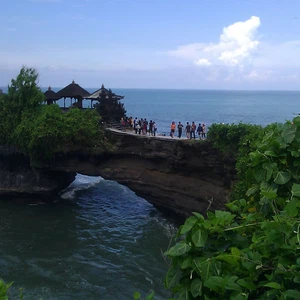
pixel 135 123
pixel 122 124
pixel 154 128
pixel 193 130
pixel 180 126
pixel 139 127
pixel 173 126
pixel 199 130
pixel 188 130
pixel 150 127
pixel 203 131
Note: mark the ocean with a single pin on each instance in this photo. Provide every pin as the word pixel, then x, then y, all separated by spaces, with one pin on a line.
pixel 101 241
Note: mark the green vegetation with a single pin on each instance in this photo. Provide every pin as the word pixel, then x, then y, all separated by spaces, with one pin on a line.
pixel 4 289
pixel 41 130
pixel 251 251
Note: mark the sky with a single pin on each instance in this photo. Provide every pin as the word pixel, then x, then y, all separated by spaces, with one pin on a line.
pixel 174 44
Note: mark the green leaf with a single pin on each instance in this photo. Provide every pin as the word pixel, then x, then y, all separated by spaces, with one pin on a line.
pixel 294 294
pixel 252 190
pixel 247 284
pixel 231 284
pixel 291 208
pixel 256 158
pixel 273 285
pixel 184 294
pixel 199 236
pixel 288 133
pixel 270 153
pixel 179 249
pixel 259 174
pixel 296 190
pixel 199 216
pixel 188 225
pixel 150 296
pixel 282 177
pixel 187 262
pixel 235 251
pixel 196 287
pixel 172 276
pixel 232 260
pixel 136 296
pixel 215 283
pixel 268 190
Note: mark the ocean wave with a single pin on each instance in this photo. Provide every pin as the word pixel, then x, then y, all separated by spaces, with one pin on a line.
pixel 81 182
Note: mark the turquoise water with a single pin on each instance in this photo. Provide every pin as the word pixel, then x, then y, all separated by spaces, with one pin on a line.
pixel 101 241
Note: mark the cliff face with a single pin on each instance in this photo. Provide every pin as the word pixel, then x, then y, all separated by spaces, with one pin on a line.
pixel 177 175
pixel 19 179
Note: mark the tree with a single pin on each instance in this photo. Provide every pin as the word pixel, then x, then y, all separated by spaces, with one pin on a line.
pixel 24 97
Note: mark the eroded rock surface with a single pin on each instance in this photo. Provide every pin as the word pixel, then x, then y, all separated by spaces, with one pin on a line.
pixel 180 176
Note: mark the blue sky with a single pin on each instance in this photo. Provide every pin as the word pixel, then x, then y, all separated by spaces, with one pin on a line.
pixel 197 44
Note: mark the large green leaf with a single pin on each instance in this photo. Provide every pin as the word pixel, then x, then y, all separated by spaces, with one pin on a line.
pixel 215 283
pixel 270 153
pixel 199 236
pixel 291 208
pixel 252 190
pixel 230 259
pixel 291 294
pixel 296 190
pixel 288 133
pixel 268 190
pixel 179 249
pixel 196 287
pixel 172 276
pixel 282 177
pixel 247 284
pixel 259 174
pixel 273 285
pixel 256 158
pixel 188 225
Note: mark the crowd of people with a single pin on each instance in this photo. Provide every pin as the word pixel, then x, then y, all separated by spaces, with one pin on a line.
pixel 142 126
pixel 190 130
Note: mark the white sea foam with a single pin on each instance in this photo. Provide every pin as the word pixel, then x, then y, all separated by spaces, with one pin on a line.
pixel 81 182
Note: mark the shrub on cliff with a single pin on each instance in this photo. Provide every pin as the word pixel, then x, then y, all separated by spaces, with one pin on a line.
pixel 53 131
pixel 41 130
pixel 23 96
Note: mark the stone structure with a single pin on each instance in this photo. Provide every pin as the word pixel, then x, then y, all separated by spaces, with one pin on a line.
pixel 180 176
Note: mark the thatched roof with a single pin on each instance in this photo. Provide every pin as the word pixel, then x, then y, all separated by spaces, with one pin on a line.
pixel 50 95
pixel 73 90
pixel 103 92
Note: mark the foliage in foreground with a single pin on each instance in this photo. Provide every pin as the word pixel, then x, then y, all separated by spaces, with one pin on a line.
pixel 251 251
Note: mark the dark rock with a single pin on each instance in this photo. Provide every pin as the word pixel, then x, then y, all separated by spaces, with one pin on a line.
pixel 19 179
pixel 180 176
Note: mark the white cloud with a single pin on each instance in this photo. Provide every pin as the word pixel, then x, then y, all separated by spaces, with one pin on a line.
pixel 202 62
pixel 236 43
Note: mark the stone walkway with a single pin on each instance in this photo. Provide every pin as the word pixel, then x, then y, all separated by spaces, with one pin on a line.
pixel 159 136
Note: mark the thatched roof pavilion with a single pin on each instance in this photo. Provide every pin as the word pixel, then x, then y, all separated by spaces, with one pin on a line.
pixel 51 96
pixel 73 91
pixel 103 93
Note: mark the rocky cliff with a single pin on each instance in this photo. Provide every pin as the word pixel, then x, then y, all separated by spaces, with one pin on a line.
pixel 179 176
pixel 19 179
